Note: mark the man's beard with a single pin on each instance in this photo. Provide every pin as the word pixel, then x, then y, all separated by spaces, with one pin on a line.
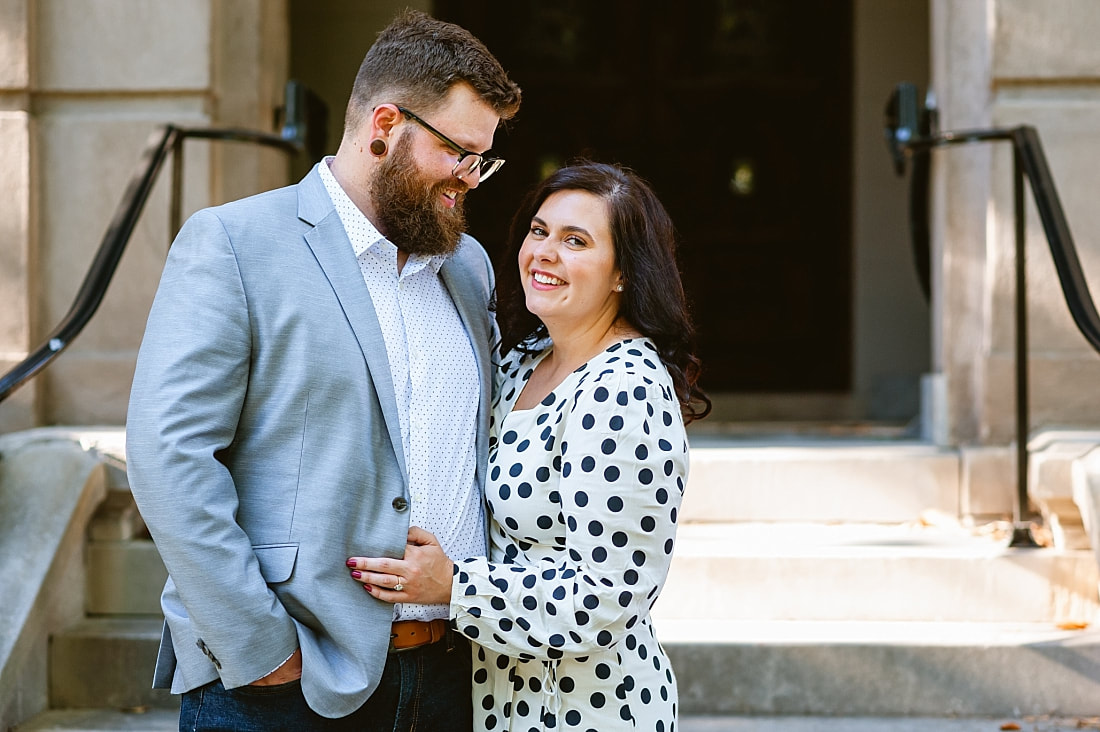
pixel 408 208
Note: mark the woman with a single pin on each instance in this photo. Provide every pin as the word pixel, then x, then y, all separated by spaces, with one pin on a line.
pixel 587 463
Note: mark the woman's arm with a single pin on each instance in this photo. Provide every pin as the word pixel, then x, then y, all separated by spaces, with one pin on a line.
pixel 623 468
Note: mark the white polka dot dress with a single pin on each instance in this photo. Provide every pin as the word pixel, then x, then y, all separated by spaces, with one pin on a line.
pixel 584 491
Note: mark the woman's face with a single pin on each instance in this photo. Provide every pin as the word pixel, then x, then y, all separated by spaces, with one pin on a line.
pixel 567 263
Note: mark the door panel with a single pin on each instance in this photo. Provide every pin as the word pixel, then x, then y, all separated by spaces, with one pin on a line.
pixel 739 114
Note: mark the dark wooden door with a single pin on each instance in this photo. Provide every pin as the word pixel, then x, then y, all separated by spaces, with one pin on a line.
pixel 739 114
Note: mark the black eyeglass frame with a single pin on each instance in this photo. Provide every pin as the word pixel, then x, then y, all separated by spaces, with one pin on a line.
pixel 486 166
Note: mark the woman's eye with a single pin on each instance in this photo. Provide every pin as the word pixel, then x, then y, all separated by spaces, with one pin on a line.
pixel 575 241
pixel 538 231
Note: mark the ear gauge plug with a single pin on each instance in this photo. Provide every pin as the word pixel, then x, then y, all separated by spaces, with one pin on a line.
pixel 377 147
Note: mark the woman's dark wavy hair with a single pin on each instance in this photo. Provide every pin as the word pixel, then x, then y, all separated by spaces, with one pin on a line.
pixel 653 299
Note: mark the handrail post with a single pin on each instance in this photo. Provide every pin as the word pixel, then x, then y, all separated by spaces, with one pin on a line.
pixel 1021 528
pixel 1028 161
pixel 175 206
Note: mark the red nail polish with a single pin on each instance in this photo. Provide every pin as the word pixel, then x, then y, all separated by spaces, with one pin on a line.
pixel 356 573
pixel 350 562
pixel 368 588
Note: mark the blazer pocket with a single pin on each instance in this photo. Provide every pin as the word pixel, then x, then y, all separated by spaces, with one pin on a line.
pixel 276 561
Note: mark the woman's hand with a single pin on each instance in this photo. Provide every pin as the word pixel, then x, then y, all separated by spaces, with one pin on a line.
pixel 424 576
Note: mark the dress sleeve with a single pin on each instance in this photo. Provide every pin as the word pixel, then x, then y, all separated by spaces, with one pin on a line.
pixel 623 468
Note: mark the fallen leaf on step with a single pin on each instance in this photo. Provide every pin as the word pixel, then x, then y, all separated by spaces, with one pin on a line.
pixel 1072 625
pixel 936 518
pixel 1010 725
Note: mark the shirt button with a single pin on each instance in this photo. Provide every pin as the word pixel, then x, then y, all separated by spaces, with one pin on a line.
pixel 400 504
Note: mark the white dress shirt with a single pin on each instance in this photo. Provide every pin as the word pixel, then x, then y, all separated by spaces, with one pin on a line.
pixel 437 387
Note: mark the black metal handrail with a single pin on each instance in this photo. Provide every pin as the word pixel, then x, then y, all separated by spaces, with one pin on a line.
pixel 1028 161
pixel 303 131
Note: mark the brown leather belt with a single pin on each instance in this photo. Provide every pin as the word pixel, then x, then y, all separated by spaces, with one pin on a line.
pixel 408 634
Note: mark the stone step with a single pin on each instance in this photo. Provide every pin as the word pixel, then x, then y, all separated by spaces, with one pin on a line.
pixel 1044 723
pixel 879 483
pixel 896 572
pixel 107 662
pixel 124 578
pixel 102 720
pixel 883 669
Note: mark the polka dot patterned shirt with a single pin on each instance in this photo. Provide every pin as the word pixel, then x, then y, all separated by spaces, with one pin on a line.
pixel 436 384
pixel 583 495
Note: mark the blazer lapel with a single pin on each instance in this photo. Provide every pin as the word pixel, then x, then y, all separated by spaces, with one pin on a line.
pixel 333 251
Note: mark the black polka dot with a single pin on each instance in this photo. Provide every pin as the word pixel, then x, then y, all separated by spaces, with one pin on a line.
pixel 533 545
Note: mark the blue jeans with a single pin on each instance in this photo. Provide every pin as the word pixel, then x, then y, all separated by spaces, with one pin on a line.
pixel 426 688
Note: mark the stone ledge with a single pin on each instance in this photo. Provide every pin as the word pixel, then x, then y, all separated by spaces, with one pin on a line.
pixel 50 484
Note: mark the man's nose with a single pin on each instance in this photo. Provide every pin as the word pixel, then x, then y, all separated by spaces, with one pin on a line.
pixel 471 178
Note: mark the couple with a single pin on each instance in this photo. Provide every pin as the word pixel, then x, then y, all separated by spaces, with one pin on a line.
pixel 312 398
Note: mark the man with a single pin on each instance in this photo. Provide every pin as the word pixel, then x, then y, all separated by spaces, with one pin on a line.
pixel 314 378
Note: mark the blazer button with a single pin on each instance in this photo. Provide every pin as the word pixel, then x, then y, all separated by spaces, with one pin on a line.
pixel 400 504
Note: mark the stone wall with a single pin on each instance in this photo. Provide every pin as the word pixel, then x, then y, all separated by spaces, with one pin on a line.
pixel 86 85
pixel 1003 64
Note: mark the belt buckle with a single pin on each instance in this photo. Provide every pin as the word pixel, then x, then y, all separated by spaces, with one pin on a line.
pixel 394 649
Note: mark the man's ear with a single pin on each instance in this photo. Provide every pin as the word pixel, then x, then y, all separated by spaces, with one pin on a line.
pixel 381 122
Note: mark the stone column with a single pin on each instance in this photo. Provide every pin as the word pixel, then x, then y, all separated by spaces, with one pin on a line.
pixel 1045 73
pixel 1001 64
pixel 16 213
pixel 107 74
pixel 961 81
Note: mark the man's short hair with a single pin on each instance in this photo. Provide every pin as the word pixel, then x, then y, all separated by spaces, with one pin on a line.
pixel 415 62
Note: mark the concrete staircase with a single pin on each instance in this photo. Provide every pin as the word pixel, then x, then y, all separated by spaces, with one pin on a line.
pixel 813 579
pixel 837 579
pixel 100 664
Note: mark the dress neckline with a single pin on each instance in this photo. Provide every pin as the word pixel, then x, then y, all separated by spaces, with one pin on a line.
pixel 537 359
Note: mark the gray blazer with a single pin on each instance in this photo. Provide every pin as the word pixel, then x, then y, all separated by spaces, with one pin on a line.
pixel 263 444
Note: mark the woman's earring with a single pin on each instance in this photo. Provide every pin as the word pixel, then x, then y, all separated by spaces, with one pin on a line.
pixel 619 288
pixel 377 147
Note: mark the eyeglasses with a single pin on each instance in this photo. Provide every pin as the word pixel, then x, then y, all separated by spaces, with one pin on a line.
pixel 467 161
